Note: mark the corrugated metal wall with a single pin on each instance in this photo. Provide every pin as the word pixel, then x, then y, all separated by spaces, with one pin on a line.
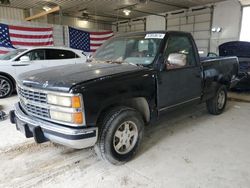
pixel 75 22
pixel 11 13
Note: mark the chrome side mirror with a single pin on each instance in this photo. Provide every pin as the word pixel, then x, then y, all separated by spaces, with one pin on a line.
pixel 177 59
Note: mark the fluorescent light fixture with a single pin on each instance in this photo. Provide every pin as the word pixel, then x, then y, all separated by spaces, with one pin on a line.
pixel 126 12
pixel 84 22
pixel 97 71
pixel 201 52
pixel 46 8
pixel 216 29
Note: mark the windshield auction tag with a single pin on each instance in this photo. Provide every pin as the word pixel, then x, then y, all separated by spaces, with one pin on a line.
pixel 155 36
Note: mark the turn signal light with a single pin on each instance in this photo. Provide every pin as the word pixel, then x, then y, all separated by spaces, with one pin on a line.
pixel 76 102
pixel 78 118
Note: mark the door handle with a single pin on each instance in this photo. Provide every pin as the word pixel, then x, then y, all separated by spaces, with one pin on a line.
pixel 20 65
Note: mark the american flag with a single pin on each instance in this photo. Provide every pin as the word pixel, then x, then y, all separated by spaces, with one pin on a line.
pixel 87 41
pixel 12 37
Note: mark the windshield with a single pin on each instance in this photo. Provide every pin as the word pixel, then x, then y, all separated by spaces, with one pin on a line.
pixel 11 54
pixel 136 49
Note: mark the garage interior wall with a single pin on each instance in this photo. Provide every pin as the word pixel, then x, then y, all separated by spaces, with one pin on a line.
pixel 11 13
pixel 75 22
pixel 57 29
pixel 14 16
pixel 130 26
pixel 226 14
pixel 197 22
pixel 155 23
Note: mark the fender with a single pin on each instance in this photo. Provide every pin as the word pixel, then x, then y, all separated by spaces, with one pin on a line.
pixel 100 95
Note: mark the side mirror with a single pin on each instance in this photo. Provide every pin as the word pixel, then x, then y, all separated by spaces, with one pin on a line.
pixel 24 58
pixel 89 58
pixel 176 59
pixel 212 54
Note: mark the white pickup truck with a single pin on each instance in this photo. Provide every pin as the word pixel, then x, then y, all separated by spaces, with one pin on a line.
pixel 21 60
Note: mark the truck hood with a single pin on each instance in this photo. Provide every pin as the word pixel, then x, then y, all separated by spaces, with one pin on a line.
pixel 240 49
pixel 235 48
pixel 62 78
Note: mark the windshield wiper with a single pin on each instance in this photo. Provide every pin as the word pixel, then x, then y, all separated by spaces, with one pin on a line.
pixel 138 65
pixel 114 62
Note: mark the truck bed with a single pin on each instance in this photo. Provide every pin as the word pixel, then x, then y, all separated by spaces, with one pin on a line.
pixel 221 69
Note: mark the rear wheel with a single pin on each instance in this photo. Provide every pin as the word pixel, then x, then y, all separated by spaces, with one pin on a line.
pixel 6 87
pixel 217 104
pixel 120 135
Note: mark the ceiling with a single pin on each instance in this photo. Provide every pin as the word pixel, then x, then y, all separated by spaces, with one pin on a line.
pixel 245 2
pixel 110 10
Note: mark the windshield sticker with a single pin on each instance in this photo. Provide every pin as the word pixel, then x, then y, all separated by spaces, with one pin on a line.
pixel 155 36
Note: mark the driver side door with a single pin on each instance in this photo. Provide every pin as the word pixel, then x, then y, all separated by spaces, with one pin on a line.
pixel 180 81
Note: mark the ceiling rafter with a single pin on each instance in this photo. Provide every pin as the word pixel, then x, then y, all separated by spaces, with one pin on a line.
pixel 112 10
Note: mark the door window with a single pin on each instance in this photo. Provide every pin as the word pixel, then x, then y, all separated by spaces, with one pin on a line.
pixel 53 54
pixel 34 55
pixel 179 52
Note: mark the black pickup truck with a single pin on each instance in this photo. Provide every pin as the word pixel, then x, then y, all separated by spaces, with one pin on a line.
pixel 131 81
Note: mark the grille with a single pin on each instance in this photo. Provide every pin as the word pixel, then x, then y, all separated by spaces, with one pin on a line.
pixel 35 110
pixel 32 95
pixel 26 99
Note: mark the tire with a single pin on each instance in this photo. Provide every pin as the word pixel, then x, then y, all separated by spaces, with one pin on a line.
pixel 120 135
pixel 217 104
pixel 6 87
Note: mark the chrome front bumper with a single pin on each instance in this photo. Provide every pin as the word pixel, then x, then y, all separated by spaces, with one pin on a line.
pixel 43 131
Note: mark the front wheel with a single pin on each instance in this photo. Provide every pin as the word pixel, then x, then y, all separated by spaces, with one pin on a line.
pixel 217 104
pixel 120 136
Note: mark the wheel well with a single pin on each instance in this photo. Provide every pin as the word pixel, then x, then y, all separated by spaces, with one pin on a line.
pixel 9 77
pixel 225 80
pixel 139 103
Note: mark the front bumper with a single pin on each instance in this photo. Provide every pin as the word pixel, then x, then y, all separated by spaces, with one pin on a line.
pixel 43 131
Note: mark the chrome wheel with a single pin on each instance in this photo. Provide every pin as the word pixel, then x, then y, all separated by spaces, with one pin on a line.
pixel 221 99
pixel 125 137
pixel 5 87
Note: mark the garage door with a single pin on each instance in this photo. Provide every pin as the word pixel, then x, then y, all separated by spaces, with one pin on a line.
pixel 195 21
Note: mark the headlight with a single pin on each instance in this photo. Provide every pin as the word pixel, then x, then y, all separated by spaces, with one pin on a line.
pixel 76 118
pixel 73 102
pixel 66 108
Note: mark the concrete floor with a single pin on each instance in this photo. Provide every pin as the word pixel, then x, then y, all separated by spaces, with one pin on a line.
pixel 188 148
pixel 239 96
